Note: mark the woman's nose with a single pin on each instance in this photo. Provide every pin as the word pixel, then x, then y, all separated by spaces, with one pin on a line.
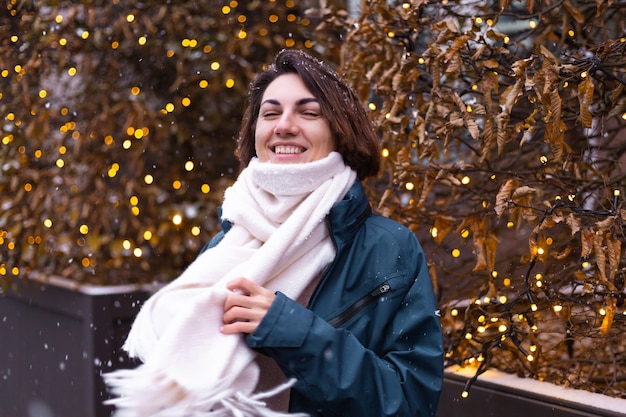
pixel 286 125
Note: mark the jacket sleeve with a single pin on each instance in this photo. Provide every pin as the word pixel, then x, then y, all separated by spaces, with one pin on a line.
pixel 337 375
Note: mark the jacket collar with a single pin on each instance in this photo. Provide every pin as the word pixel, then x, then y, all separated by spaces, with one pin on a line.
pixel 347 215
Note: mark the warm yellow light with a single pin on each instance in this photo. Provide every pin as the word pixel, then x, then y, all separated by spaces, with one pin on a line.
pixel 130 18
pixel 60 163
pixel 148 179
pixel 409 186
pixel 557 308
pixel 138 134
pixel 58 18
pixel 273 18
pixel 71 71
pixel 47 223
pixel 433 232
pixel 177 185
pixel 481 329
pixel 137 252
pixel 456 253
pixel 135 211
pixel 532 24
pixel 465 394
pixel 226 9
pixel 371 106
pixel 195 231
pixel 43 93
pixel 135 91
pixel 533 307
pixel 189 166
pixel 203 83
pixel 454 312
pixel 465 180
pixel 142 40
pixel 502 328
pixel 85 34
pixel 215 65
pixel 147 235
pixel 230 83
pixel 205 188
pixel 84 229
pixel 177 219
pixel 126 244
pixel 127 144
pixel 169 107
pixel 465 233
pixel 186 101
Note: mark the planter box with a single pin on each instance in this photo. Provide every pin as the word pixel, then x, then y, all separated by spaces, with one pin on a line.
pixel 56 339
pixel 497 394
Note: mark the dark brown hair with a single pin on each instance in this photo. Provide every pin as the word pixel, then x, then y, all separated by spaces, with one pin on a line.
pixel 349 123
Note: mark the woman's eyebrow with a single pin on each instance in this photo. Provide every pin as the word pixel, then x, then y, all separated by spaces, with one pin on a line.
pixel 298 103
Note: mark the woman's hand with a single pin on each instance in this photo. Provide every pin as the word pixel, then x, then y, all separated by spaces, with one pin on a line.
pixel 246 306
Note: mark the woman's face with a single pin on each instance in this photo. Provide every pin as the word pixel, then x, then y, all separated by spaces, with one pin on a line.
pixel 290 127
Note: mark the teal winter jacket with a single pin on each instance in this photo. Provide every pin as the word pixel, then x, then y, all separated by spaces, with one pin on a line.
pixel 369 343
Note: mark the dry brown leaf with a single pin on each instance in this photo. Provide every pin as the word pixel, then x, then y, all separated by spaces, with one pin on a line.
pixel 443 225
pixel 614 250
pixel 585 100
pixel 609 310
pixel 573 222
pixel 503 196
pixel 481 255
pixel 598 251
pixel 606 224
pixel 586 240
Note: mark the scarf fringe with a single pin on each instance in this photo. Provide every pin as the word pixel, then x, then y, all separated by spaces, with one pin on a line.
pixel 141 401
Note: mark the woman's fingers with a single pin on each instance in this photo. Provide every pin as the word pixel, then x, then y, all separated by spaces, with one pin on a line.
pixel 245 306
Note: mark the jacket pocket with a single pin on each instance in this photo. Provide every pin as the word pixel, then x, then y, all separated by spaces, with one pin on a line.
pixel 360 305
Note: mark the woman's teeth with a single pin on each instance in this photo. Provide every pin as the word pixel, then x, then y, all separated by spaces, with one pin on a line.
pixel 288 149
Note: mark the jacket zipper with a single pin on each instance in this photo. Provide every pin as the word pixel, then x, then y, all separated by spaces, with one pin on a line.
pixel 360 305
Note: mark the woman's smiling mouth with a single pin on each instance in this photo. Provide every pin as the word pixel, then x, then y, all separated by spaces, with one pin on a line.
pixel 288 149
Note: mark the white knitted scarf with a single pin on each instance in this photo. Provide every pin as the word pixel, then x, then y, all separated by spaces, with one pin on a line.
pixel 279 240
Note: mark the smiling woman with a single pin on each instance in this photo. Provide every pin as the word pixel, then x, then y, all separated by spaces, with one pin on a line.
pixel 290 127
pixel 306 298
